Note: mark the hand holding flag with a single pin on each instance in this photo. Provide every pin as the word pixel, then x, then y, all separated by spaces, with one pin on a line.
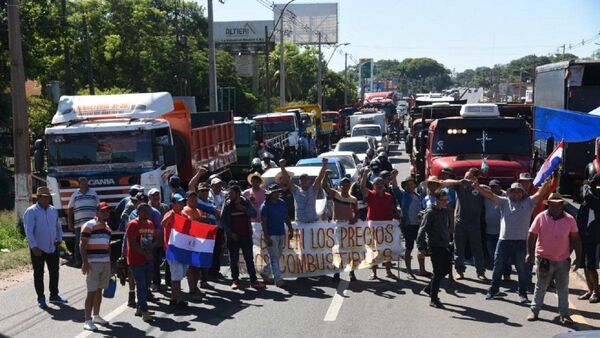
pixel 549 165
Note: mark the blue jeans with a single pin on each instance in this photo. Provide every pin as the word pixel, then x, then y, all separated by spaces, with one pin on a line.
pixel 507 251
pixel 275 252
pixel 142 275
pixel 491 243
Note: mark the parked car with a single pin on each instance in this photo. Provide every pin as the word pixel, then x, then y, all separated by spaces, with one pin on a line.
pixel 349 160
pixel 335 165
pixel 358 145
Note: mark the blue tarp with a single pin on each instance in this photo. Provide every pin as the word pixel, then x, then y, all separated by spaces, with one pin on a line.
pixel 568 125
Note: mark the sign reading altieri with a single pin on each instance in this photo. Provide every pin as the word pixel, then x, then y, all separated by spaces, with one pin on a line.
pixel 235 32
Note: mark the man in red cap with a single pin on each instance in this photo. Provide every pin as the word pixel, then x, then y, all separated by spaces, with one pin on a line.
pixel 95 257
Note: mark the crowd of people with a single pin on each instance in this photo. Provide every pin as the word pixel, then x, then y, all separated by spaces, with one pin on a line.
pixel 448 220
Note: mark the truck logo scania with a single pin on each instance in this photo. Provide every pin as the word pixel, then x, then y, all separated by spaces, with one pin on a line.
pixel 101 181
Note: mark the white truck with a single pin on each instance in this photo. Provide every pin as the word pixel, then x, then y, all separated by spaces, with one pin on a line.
pixel 372 124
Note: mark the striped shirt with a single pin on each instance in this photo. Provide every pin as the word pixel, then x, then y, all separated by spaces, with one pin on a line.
pixel 84 206
pixel 98 246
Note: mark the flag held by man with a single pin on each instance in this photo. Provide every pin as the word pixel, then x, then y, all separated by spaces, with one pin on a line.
pixel 549 165
pixel 191 242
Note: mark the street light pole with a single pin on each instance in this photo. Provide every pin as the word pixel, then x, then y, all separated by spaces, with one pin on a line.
pixel 281 63
pixel 345 78
pixel 319 76
pixel 19 111
pixel 212 66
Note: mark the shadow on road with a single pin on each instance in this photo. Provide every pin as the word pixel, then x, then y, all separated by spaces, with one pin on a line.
pixel 469 313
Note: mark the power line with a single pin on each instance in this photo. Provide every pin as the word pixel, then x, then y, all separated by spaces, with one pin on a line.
pixel 582 43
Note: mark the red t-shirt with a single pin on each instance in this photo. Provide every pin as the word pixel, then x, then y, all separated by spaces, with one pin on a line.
pixel 142 233
pixel 380 208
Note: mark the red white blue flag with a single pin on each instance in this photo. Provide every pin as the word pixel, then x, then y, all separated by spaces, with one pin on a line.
pixel 549 165
pixel 191 242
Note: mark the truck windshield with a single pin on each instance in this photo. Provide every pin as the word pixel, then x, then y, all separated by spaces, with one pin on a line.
pixel 132 147
pixel 482 141
pixel 280 125
pixel 242 134
pixel 329 117
pixel 355 147
pixel 369 131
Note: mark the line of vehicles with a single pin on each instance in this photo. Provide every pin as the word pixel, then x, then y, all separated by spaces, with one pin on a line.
pixel 121 140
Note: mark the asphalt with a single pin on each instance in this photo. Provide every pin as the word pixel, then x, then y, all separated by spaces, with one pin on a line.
pixel 307 308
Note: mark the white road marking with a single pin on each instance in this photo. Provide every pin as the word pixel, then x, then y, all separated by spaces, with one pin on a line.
pixel 336 302
pixel 108 317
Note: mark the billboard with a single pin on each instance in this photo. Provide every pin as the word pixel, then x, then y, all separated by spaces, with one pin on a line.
pixel 235 32
pixel 301 22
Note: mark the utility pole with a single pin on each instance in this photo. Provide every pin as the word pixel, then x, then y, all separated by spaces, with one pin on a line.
pixel 66 50
pixel 88 53
pixel 19 111
pixel 319 75
pixel 563 48
pixel 345 78
pixel 267 74
pixel 281 63
pixel 212 66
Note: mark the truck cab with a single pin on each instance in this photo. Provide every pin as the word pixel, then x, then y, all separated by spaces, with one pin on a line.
pixel 246 146
pixel 277 125
pixel 479 133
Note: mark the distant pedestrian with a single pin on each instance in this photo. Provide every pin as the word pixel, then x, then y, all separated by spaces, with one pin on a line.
pixel 236 222
pixel 588 223
pixel 433 236
pixel 44 233
pixel 551 237
pixel 95 255
pixel 177 270
pixel 81 208
pixel 141 240
pixel 274 219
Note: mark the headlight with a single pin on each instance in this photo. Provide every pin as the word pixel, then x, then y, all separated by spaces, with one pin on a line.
pixel 379 144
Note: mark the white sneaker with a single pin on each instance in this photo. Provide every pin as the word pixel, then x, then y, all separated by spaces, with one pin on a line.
pixel 89 325
pixel 100 320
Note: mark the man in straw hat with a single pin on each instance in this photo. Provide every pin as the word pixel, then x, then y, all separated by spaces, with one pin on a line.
pixel 256 193
pixel 467 225
pixel 551 237
pixel 515 214
pixel 44 233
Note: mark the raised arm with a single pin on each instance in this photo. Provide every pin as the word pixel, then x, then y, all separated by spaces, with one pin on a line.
pixel 319 180
pixel 363 184
pixel 451 183
pixel 487 193
pixel 330 192
pixel 541 193
pixel 193 184
pixel 286 180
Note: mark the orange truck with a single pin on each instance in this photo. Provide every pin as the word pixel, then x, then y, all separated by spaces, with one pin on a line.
pixel 120 140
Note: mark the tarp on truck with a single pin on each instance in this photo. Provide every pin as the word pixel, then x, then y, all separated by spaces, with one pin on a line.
pixel 567 125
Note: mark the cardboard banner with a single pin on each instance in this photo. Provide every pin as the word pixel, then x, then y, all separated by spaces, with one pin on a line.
pixel 324 248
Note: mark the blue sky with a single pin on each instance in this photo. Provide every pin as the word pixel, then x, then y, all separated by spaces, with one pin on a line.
pixel 459 34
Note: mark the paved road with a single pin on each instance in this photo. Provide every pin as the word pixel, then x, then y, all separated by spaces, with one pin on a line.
pixel 308 308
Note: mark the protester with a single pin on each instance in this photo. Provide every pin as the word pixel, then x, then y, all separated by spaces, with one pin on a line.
pixel 305 195
pixel 467 223
pixel 433 235
pixel 345 211
pixel 380 207
pixel 95 256
pixel 492 227
pixel 588 224
pixel 236 222
pixel 515 213
pixel 410 204
pixel 81 208
pixel 133 190
pixel 159 253
pixel 383 161
pixel 551 237
pixel 193 273
pixel 370 155
pixel 432 184
pixel 175 186
pixel 130 207
pixel 141 240
pixel 44 233
pixel 256 193
pixel 177 270
pixel 217 196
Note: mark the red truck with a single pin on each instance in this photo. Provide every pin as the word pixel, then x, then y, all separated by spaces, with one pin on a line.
pixel 479 133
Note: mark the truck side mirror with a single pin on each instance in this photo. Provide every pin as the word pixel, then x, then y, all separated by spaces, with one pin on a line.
pixel 170 155
pixel 38 155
